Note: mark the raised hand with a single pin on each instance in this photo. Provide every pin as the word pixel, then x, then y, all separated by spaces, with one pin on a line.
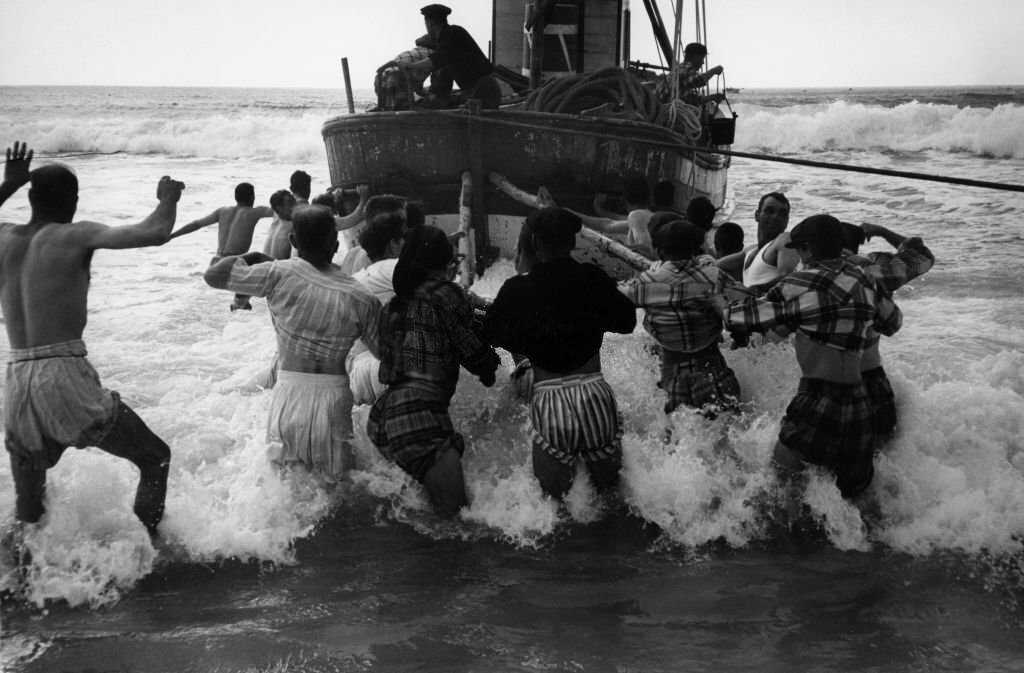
pixel 870 230
pixel 16 170
pixel 169 189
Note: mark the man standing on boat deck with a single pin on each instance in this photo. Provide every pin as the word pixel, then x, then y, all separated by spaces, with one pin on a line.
pixel 53 396
pixel 457 56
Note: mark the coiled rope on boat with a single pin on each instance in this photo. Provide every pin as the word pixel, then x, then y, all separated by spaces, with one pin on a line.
pixel 614 92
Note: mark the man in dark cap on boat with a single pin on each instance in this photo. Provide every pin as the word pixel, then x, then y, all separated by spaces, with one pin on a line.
pixel 836 310
pixel 556 315
pixel 53 396
pixel 457 56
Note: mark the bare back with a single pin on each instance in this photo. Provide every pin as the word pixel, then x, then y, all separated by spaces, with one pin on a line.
pixel 235 225
pixel 45 264
pixel 44 282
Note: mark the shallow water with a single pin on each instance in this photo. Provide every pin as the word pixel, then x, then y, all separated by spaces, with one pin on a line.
pixel 264 571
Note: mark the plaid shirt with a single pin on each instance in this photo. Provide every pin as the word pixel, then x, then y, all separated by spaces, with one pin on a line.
pixel 894 270
pixel 833 302
pixel 428 336
pixel 676 296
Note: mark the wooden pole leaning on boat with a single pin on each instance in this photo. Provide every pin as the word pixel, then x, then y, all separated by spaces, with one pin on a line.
pixel 348 86
pixel 481 240
pixel 603 243
pixel 466 242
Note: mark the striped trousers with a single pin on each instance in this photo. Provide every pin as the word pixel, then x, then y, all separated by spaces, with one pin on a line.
pixel 576 416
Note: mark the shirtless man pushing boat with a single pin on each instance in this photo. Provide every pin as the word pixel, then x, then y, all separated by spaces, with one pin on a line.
pixel 53 396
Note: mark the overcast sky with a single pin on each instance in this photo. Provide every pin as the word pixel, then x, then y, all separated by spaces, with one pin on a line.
pixel 300 43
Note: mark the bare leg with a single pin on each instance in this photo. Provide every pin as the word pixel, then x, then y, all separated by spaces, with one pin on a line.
pixel 446 484
pixel 131 439
pixel 555 477
pixel 789 466
pixel 605 473
pixel 29 488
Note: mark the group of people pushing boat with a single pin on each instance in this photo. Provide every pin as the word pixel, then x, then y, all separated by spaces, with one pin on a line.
pixel 395 296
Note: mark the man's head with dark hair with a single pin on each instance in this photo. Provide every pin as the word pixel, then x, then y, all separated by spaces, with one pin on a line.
pixel 772 216
pixel 778 196
pixel 728 239
pixel 381 231
pixel 326 200
pixel 314 234
pixel 383 203
pixel 663 196
pixel 554 228
pixel 245 194
pixel 53 194
pixel 678 239
pixel 701 212
pixel 283 202
pixel 821 235
pixel 300 184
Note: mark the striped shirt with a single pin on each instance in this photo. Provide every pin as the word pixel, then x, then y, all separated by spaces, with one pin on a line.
pixel 317 314
pixel 676 296
pixel 428 336
pixel 832 302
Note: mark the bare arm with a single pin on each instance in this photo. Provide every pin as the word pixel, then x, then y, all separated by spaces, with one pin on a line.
pixel 219 273
pixel 891 237
pixel 605 225
pixel 358 213
pixel 601 208
pixel 16 170
pixel 196 225
pixel 782 258
pixel 154 230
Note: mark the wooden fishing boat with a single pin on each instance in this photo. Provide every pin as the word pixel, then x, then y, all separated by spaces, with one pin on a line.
pixel 577 118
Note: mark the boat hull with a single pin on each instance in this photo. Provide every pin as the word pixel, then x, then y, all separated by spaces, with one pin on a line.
pixel 424 154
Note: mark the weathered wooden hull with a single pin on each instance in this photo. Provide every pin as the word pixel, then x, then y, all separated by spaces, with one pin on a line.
pixel 424 153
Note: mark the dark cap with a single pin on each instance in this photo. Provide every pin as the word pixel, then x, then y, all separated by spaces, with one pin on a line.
pixel 820 229
pixel 678 236
pixel 695 48
pixel 554 226
pixel 436 11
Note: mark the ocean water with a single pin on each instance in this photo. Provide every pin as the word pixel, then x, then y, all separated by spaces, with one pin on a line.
pixel 264 571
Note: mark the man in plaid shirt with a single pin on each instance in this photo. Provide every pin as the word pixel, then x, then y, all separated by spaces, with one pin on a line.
pixel 678 295
pixel 892 271
pixel 836 310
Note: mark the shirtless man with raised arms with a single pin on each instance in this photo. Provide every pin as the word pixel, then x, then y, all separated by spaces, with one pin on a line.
pixel 53 396
pixel 235 225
